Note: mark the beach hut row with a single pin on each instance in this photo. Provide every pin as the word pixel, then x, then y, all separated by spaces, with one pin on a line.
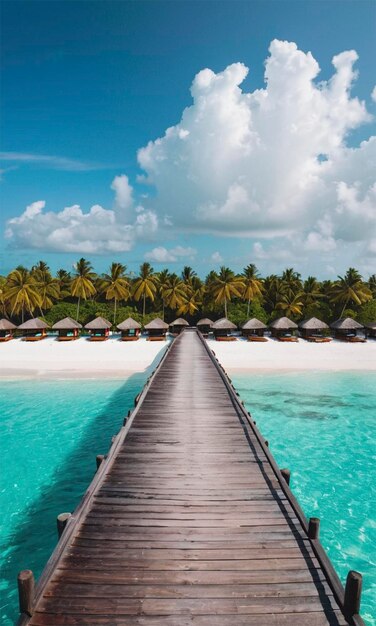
pixel 282 329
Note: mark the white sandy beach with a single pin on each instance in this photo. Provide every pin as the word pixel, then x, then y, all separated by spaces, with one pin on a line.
pixel 82 358
pixel 275 355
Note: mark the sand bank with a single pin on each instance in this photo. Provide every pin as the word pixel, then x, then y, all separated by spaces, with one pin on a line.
pixel 275 355
pixel 81 358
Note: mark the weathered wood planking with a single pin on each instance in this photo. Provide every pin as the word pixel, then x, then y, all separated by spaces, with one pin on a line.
pixel 188 520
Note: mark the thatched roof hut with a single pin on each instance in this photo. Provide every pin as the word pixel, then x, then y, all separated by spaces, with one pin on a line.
pixel 312 330
pixel 253 328
pixel 99 329
pixel 34 324
pixel 222 329
pixel 6 330
pixel 100 323
pixel 130 329
pixel 178 325
pixel 129 324
pixel 347 329
pixel 35 329
pixel 282 328
pixel 371 329
pixel 346 324
pixel 283 323
pixel 205 325
pixel 68 329
pixel 66 324
pixel 156 329
pixel 6 324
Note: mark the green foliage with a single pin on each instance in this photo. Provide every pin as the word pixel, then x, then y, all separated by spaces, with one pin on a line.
pixel 367 313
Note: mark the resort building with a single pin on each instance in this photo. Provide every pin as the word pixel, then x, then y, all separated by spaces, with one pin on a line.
pixel 6 330
pixel 34 329
pixel 68 329
pixel 130 330
pixel 204 325
pixel 283 329
pixel 99 329
pixel 313 329
pixel 156 330
pixel 178 325
pixel 346 329
pixel 254 330
pixel 223 329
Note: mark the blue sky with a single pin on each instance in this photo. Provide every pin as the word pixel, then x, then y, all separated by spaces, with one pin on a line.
pixel 88 84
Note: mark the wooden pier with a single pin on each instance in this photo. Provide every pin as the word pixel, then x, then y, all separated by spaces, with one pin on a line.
pixel 188 521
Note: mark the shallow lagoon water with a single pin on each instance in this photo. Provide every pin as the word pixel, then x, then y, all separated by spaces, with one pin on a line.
pixel 320 425
pixel 323 427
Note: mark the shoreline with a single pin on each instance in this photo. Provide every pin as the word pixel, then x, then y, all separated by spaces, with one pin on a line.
pixel 113 359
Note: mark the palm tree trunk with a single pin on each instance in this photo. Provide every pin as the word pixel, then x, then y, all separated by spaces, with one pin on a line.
pixel 78 308
pixel 344 306
pixel 115 312
pixel 143 308
pixel 225 307
pixel 249 304
pixel 163 305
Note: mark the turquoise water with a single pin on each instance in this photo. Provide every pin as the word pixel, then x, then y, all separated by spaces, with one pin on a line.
pixel 51 432
pixel 323 427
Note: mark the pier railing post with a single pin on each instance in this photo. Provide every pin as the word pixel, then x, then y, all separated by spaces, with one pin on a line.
pixel 286 474
pixel 313 527
pixel 99 460
pixel 353 592
pixel 61 522
pixel 26 584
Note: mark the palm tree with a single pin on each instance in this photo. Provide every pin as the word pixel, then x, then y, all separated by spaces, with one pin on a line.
pixel 115 285
pixel 162 279
pixel 48 287
pixel 3 295
pixel 225 286
pixel 83 282
pixel 145 286
pixel 274 289
pixel 64 279
pixel 311 291
pixel 350 288
pixel 291 280
pixel 22 292
pixel 253 286
pixel 188 274
pixel 291 305
pixel 372 284
pixel 174 292
pixel 191 302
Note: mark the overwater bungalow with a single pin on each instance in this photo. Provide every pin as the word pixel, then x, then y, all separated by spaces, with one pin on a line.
pixel 313 329
pixel 254 330
pixel 99 329
pixel 130 330
pixel 283 329
pixel 6 330
pixel 34 329
pixel 371 330
pixel 204 325
pixel 178 325
pixel 346 329
pixel 222 330
pixel 68 329
pixel 156 330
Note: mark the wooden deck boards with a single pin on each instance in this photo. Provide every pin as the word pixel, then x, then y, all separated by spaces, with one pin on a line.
pixel 187 524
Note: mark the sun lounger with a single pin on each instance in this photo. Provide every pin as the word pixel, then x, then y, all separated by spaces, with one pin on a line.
pixel 256 338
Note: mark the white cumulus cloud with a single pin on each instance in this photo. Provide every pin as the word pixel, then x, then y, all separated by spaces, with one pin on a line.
pixel 162 255
pixel 97 231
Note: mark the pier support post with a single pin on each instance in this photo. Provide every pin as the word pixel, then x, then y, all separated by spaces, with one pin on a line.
pixel 61 522
pixel 353 592
pixel 313 527
pixel 286 474
pixel 99 459
pixel 26 584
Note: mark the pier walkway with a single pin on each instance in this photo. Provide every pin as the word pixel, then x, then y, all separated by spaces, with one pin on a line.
pixel 188 521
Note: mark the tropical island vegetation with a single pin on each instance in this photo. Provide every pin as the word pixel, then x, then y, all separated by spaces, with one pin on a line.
pixel 84 294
